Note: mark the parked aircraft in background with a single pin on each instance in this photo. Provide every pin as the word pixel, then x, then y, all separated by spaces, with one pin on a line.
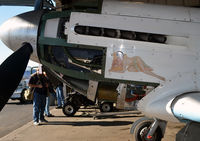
pixel 119 42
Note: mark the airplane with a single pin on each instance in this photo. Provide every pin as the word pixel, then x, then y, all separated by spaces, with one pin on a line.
pixel 118 42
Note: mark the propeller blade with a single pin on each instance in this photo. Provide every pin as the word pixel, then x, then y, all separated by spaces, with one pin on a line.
pixel 11 72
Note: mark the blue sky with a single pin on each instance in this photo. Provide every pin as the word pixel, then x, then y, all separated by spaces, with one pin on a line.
pixel 6 13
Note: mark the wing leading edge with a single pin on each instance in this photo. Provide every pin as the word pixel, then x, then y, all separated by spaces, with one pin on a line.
pixel 47 3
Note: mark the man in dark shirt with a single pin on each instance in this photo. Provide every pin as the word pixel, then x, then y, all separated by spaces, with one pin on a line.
pixel 39 83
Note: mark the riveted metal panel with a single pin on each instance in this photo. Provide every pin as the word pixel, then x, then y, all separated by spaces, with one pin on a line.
pixel 146 10
pixel 122 95
pixel 92 90
pixel 51 28
pixel 147 52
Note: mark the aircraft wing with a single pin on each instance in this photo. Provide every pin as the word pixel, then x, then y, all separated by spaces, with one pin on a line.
pixel 17 2
pixel 23 3
pixel 48 3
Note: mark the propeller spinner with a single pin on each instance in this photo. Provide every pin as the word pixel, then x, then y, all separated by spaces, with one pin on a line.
pixel 19 34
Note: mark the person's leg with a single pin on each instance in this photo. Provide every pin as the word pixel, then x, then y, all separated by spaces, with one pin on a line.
pixel 47 106
pixel 36 107
pixel 53 94
pixel 61 95
pixel 42 106
pixel 58 96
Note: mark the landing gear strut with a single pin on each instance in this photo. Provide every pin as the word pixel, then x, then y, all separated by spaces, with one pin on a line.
pixel 190 132
pixel 146 129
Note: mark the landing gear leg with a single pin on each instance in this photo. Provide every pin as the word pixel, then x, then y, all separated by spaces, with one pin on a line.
pixel 146 129
pixel 190 132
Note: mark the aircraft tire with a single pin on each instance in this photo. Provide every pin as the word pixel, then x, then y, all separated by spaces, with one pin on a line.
pixel 141 129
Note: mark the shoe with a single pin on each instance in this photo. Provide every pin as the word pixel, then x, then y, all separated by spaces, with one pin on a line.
pixel 50 115
pixel 43 121
pixel 36 123
pixel 58 107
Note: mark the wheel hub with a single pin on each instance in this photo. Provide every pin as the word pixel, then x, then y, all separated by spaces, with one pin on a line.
pixel 69 109
pixel 106 107
pixel 143 134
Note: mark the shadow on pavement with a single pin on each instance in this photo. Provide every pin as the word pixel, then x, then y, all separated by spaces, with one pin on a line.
pixel 90 123
pixel 88 115
pixel 18 103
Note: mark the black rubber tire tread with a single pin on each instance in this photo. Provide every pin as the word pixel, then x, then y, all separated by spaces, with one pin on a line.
pixel 140 125
pixel 74 109
pixel 109 103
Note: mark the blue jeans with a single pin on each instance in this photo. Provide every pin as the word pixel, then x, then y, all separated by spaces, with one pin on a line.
pixel 60 96
pixel 47 106
pixel 39 102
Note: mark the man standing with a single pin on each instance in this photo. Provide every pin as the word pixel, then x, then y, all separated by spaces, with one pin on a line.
pixel 39 83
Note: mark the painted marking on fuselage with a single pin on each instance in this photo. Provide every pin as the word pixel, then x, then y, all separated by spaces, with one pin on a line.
pixel 121 62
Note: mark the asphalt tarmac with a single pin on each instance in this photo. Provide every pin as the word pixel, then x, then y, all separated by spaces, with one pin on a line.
pixel 83 127
pixel 14 115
